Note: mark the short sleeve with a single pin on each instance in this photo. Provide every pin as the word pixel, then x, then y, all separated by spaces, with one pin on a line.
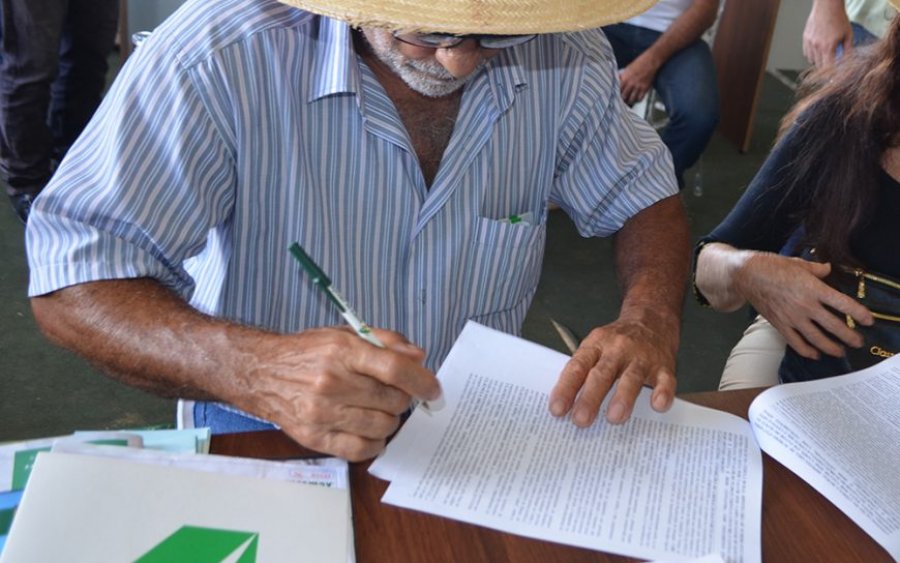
pixel 141 189
pixel 612 164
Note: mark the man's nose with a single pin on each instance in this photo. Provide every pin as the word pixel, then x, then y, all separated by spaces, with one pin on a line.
pixel 462 60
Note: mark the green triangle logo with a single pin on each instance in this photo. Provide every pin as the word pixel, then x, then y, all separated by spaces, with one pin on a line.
pixel 192 544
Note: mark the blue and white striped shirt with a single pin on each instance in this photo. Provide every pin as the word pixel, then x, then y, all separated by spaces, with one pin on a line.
pixel 242 126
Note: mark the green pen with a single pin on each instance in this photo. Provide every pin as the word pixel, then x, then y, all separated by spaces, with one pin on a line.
pixel 324 282
pixel 320 279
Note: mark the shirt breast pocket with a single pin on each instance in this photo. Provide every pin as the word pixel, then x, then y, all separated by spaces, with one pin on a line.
pixel 505 264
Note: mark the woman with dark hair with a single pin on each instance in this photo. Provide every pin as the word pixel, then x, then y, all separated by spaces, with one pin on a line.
pixel 828 195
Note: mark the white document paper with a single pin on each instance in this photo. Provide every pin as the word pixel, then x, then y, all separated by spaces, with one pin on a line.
pixel 842 436
pixel 673 486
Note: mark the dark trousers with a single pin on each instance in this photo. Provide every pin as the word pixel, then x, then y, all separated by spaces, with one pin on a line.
pixel 687 86
pixel 52 72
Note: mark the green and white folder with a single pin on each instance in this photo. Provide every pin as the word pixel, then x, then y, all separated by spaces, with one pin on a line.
pixel 80 508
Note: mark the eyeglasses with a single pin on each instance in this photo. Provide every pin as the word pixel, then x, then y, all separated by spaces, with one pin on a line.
pixel 447 41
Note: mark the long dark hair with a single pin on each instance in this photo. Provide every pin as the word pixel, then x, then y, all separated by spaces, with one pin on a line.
pixel 847 116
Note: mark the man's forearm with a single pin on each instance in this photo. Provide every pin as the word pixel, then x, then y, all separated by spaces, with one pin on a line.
pixel 139 332
pixel 686 29
pixel 640 347
pixel 652 260
pixel 326 388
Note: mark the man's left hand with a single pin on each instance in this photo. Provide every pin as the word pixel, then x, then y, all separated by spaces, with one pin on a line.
pixel 628 351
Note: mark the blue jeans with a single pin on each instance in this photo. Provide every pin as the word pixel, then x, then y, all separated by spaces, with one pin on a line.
pixel 223 421
pixel 687 86
pixel 861 36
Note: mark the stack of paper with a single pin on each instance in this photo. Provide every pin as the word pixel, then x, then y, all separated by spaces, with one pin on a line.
pixel 79 489
pixel 671 486
pixel 17 458
pixel 86 508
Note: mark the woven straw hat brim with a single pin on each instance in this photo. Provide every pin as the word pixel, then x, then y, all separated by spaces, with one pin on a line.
pixel 501 17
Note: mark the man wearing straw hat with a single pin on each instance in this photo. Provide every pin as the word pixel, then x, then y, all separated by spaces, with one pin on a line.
pixel 412 149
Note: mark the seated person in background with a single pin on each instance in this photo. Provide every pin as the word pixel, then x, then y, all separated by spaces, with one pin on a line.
pixel 663 49
pixel 160 248
pixel 835 26
pixel 830 184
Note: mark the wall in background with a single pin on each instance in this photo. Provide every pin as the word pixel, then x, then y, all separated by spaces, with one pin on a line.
pixel 145 15
pixel 786 52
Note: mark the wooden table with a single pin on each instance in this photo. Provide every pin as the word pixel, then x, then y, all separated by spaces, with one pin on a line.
pixel 798 524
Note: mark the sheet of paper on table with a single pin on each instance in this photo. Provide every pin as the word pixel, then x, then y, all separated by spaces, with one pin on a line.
pixel 842 436
pixel 673 486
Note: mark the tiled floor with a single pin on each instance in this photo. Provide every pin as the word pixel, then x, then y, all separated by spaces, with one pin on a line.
pixel 46 391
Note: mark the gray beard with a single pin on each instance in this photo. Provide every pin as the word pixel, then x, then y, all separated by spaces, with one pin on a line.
pixel 428 78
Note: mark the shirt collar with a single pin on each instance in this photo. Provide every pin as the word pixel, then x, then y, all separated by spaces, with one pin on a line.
pixel 336 69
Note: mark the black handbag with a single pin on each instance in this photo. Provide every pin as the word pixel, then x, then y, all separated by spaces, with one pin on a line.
pixel 881 295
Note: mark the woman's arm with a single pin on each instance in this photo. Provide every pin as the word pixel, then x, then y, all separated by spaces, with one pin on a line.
pixel 738 263
pixel 788 292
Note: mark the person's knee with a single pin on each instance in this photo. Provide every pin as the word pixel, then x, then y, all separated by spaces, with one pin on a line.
pixel 755 358
pixel 699 114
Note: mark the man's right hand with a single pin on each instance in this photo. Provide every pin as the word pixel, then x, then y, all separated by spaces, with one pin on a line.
pixel 327 388
pixel 332 391
pixel 826 27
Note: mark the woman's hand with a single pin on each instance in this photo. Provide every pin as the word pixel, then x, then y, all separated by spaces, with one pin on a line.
pixel 790 294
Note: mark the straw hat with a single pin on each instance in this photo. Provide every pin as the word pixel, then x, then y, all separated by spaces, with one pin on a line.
pixel 500 17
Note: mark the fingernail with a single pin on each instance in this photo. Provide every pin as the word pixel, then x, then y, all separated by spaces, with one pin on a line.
pixel 660 402
pixel 581 417
pixel 616 412
pixel 437 394
pixel 558 407
pixel 436 404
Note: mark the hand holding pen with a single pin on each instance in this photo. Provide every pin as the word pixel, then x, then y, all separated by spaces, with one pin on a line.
pixel 327 388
